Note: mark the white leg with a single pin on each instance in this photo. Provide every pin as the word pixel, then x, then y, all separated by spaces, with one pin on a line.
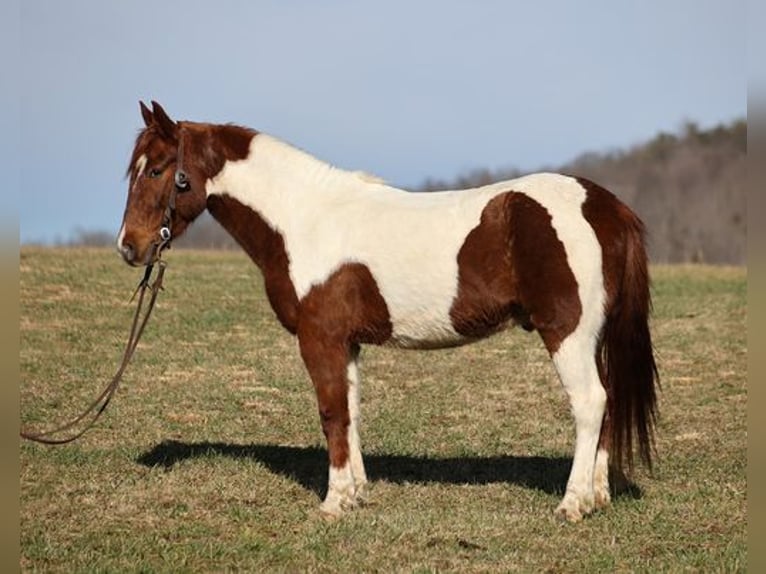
pixel 601 479
pixel 346 485
pixel 340 491
pixel 576 367
pixel 354 444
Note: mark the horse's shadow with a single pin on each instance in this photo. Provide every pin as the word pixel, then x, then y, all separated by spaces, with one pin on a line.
pixel 308 466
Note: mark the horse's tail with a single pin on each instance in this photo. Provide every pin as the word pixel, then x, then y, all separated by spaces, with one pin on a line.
pixel 626 356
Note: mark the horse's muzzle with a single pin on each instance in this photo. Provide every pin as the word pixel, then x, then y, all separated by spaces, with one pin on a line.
pixel 128 253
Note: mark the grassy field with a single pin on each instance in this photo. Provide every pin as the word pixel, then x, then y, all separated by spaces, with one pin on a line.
pixel 211 458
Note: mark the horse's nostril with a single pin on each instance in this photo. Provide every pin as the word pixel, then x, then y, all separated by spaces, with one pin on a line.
pixel 127 252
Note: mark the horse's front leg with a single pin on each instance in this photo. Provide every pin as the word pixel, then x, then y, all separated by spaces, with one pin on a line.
pixel 354 411
pixel 330 366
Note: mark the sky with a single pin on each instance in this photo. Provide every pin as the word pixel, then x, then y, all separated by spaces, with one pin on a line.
pixel 404 89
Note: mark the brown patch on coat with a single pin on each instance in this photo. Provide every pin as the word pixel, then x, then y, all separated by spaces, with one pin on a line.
pixel 486 297
pixel 210 146
pixel 607 216
pixel 348 307
pixel 207 148
pixel 513 266
pixel 335 318
pixel 546 285
pixel 266 248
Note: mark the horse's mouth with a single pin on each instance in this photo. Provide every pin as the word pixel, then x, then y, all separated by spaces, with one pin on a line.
pixel 129 255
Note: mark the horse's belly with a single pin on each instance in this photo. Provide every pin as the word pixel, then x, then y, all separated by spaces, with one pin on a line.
pixel 414 333
pixel 422 332
pixel 421 314
pixel 419 296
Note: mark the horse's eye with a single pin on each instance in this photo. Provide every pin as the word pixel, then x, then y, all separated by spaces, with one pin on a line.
pixel 155 172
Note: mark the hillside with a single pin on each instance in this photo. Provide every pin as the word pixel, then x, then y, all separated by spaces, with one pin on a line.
pixel 688 187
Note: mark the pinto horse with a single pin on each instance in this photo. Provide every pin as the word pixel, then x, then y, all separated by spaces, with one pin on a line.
pixel 348 260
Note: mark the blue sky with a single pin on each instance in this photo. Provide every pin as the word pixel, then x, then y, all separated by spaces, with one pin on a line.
pixel 403 89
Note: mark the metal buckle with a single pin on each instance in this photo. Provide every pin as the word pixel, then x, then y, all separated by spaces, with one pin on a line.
pixel 165 233
pixel 181 180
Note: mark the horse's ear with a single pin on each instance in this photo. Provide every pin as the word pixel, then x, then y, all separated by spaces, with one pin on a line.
pixel 147 115
pixel 167 126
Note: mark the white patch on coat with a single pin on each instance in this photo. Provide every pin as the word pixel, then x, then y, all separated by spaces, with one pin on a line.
pixel 354 443
pixel 576 366
pixel 120 238
pixel 368 177
pixel 409 241
pixel 601 493
pixel 140 166
pixel 138 169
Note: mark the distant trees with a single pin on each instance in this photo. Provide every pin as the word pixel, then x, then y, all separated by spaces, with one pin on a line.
pixel 206 233
pixel 89 238
pixel 689 188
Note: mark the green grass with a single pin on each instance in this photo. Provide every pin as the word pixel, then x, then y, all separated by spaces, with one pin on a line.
pixel 211 458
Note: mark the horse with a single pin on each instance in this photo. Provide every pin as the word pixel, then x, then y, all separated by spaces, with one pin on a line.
pixel 348 260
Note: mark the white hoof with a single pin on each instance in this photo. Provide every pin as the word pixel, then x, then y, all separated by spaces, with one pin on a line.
pixel 343 495
pixel 573 507
pixel 362 493
pixel 601 497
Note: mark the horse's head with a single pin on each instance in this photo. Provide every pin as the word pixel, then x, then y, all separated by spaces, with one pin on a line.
pixel 166 191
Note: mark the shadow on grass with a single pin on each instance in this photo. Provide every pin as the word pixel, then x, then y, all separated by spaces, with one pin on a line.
pixel 308 466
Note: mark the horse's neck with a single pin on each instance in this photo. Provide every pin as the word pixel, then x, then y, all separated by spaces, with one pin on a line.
pixel 279 169
pixel 283 184
pixel 261 198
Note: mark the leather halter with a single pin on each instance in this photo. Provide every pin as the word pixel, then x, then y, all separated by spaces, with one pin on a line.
pixel 181 185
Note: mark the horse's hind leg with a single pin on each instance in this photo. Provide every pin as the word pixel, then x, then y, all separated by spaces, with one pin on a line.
pixel 575 363
pixel 602 497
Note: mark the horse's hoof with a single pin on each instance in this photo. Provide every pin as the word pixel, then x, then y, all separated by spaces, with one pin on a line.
pixel 573 508
pixel 571 515
pixel 601 498
pixel 332 510
pixel 329 515
pixel 361 495
pixel 336 505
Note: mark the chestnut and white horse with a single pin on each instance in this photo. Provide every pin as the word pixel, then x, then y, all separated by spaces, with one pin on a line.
pixel 348 260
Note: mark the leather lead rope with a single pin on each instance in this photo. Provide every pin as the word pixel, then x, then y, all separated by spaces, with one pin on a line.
pixel 98 406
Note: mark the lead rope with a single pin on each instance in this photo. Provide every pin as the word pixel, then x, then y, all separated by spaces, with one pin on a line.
pixel 136 330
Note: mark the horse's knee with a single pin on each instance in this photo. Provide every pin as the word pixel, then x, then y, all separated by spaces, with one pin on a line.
pixel 335 420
